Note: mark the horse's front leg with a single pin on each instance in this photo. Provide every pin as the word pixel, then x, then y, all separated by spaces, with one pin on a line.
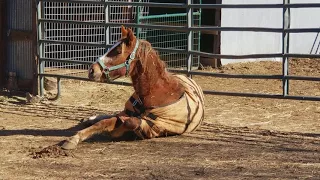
pixel 94 119
pixel 121 124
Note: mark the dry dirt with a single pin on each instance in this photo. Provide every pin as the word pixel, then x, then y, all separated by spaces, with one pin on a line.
pixel 241 138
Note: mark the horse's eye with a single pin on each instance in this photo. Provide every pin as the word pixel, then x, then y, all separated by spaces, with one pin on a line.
pixel 119 51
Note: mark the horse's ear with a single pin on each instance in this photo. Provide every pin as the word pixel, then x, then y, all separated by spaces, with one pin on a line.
pixel 124 32
pixel 130 35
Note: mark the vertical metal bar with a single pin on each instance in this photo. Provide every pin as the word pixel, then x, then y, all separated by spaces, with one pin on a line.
pixel 35 86
pixel 190 36
pixel 199 34
pixel 138 21
pixel 58 89
pixel 40 13
pixel 285 47
pixel 106 20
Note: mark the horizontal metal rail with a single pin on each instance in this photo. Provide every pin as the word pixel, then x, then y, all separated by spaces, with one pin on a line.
pixel 293 55
pixel 302 78
pixel 248 56
pixel 168 15
pixel 180 51
pixel 122 3
pixel 80 78
pixel 254 6
pixel 240 94
pixel 73 43
pixel 302 30
pixel 65 61
pixel 245 76
pixel 302 5
pixel 103 24
pixel 170 50
pixel 183 5
pixel 258 95
pixel 165 27
pixel 255 29
pixel 186 29
pixel 74 1
pixel 196 53
pixel 219 75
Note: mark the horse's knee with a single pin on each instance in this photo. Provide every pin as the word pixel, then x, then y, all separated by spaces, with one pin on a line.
pixel 132 123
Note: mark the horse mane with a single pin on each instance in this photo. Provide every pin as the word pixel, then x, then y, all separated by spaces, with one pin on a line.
pixel 149 68
pixel 151 62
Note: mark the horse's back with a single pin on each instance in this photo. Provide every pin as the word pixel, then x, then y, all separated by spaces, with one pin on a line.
pixel 186 114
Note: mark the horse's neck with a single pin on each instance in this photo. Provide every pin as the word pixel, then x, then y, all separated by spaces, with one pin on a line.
pixel 151 82
pixel 158 91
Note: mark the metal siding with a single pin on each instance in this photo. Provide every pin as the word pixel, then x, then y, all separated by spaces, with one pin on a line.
pixel 240 43
pixel 304 18
pixel 20 53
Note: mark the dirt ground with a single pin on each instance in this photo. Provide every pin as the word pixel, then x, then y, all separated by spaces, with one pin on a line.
pixel 241 138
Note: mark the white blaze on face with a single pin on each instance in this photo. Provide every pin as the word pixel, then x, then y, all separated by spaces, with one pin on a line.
pixel 105 56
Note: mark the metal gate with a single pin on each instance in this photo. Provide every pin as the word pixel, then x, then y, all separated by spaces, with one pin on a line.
pixel 90 49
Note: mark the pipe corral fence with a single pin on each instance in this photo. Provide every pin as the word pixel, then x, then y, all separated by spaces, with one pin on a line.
pixel 73 34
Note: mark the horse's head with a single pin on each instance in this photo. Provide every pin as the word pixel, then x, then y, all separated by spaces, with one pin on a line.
pixel 116 62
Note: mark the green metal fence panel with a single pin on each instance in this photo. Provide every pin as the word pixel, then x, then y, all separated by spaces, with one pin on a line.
pixel 171 39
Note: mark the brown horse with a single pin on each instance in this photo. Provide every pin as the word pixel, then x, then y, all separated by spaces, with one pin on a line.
pixel 163 103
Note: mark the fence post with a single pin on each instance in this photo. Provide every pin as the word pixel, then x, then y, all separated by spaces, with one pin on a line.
pixel 190 36
pixel 285 47
pixel 106 20
pixel 40 14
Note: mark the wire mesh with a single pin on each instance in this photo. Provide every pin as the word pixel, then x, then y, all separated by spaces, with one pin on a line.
pixel 172 39
pixel 124 14
pixel 83 33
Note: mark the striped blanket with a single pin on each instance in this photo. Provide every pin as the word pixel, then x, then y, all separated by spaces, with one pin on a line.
pixel 183 116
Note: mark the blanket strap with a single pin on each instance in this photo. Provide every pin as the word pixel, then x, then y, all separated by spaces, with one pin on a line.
pixel 139 106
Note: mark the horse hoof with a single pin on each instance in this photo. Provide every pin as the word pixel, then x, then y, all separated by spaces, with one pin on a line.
pixel 69 144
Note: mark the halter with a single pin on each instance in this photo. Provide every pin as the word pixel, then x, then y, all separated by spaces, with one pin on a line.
pixel 126 64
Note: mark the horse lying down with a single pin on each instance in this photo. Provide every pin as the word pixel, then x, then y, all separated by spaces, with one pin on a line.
pixel 163 103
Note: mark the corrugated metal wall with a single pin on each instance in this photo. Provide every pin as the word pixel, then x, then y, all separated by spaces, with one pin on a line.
pixel 20 44
pixel 2 41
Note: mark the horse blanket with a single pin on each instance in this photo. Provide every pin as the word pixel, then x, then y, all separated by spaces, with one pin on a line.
pixel 184 115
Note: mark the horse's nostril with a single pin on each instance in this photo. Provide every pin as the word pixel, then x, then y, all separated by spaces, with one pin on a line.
pixel 91 71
